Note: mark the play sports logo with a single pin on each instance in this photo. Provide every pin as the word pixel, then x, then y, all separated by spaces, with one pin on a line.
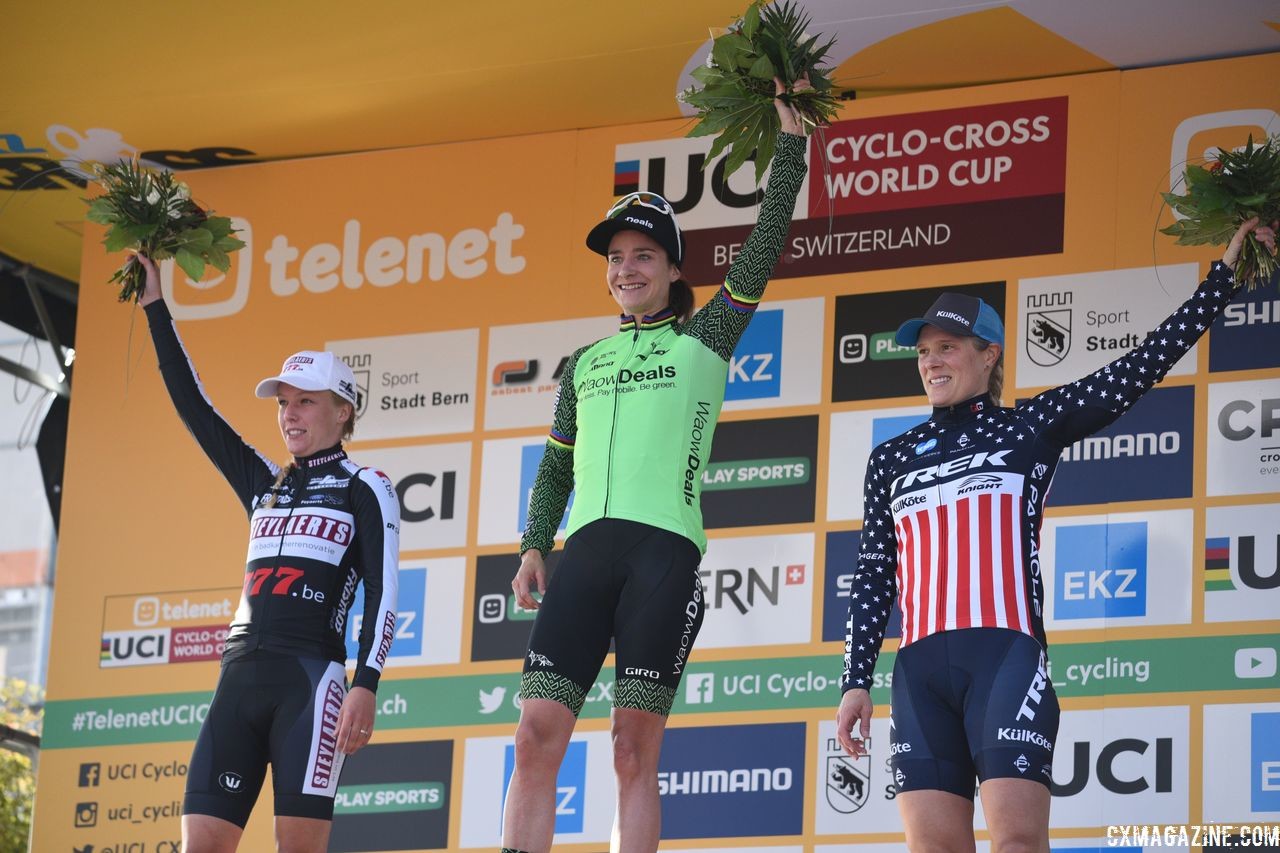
pixel 217 294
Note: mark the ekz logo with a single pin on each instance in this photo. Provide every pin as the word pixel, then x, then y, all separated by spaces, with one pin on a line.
pixel 755 368
pixel 1048 325
pixel 1100 570
pixel 1264 763
pixel 220 294
pixel 571 785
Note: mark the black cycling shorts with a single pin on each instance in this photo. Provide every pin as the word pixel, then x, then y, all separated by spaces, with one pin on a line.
pixel 972 702
pixel 631 582
pixel 275 708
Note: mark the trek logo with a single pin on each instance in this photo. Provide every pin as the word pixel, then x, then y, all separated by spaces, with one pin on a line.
pixel 571 785
pixel 949 468
pixel 1035 691
pixel 755 368
pixel 1264 762
pixel 1123 766
pixel 1100 570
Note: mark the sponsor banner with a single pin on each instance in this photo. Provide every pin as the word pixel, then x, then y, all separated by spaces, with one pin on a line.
pixel 842 564
pixel 778 361
pixel 1121 765
pixel 1241 563
pixel 115 798
pixel 857 796
pixel 428 615
pixel 1120 569
pixel 1242 763
pixel 524 366
pixel 1145 455
pixel 499 627
pixel 866 363
pixel 394 796
pixel 758 591
pixel 853 436
pixel 1244 437
pixel 167 627
pixel 1071 325
pixel 711 787
pixel 585 790
pixel 761 472
pixel 504 499
pixel 433 483
pixel 760 684
pixel 411 385
pixel 1243 336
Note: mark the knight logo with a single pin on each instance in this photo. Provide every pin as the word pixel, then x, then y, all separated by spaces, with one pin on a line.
pixel 323 769
pixel 1048 327
pixel 230 782
pixel 848 779
pixel 979 483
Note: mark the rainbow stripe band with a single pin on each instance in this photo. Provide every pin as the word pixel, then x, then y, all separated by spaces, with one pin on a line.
pixel 665 317
pixel 560 440
pixel 737 301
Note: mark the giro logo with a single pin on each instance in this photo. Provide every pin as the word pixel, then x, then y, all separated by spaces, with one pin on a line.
pixel 216 294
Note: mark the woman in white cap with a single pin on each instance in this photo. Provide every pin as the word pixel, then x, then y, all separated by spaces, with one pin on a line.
pixel 632 431
pixel 318 527
pixel 951 532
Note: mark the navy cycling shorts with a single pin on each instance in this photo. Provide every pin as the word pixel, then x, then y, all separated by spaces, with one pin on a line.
pixel 633 583
pixel 275 708
pixel 975 702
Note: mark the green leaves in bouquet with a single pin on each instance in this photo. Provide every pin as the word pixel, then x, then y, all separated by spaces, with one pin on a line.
pixel 152 212
pixel 1233 188
pixel 735 101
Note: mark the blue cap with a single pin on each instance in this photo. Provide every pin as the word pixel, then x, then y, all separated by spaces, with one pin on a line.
pixel 958 314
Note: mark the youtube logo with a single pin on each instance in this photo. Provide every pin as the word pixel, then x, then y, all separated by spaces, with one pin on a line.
pixel 1256 663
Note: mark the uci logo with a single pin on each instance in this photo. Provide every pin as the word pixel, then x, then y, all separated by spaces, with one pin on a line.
pixel 217 294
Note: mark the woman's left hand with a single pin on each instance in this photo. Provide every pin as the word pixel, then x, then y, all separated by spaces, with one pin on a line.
pixel 355 720
pixel 787 114
pixel 1266 235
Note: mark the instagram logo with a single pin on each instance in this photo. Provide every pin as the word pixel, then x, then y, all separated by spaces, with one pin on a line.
pixel 226 292
pixel 1232 127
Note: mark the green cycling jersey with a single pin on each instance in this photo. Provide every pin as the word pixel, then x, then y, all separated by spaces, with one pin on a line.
pixel 635 412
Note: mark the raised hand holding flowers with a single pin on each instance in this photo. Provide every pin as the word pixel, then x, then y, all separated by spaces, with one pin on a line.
pixel 151 212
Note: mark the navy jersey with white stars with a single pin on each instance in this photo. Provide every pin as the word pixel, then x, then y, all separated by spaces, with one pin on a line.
pixel 951 526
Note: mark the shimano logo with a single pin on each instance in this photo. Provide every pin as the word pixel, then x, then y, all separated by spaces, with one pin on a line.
pixel 684 782
pixel 1024 736
pixel 953 466
pixel 979 483
pixel 1116 446
pixel 910 500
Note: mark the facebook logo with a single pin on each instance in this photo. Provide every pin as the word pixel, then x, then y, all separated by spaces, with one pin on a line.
pixel 699 688
pixel 530 458
pixel 1264 763
pixel 1100 570
pixel 90 774
pixel 571 784
pixel 411 606
pixel 883 429
pixel 755 368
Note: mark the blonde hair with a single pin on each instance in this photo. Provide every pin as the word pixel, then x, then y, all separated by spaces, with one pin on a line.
pixel 274 492
pixel 349 428
pixel 995 384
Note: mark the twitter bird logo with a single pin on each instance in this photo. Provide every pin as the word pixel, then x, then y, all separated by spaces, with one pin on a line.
pixel 491 700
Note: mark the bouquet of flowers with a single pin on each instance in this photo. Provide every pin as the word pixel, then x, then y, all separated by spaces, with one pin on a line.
pixel 1234 187
pixel 151 212
pixel 736 98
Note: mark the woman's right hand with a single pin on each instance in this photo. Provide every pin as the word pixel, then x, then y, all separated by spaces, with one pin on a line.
pixel 532 573
pixel 151 288
pixel 855 707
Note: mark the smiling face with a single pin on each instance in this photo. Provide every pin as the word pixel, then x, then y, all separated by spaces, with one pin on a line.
pixel 952 367
pixel 310 421
pixel 640 274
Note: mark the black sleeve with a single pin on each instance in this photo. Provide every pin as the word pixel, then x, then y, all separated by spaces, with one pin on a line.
pixel 377 513
pixel 242 466
pixel 554 481
pixel 1068 413
pixel 875 583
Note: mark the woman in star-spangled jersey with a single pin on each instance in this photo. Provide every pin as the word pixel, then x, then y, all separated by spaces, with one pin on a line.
pixel 951 531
